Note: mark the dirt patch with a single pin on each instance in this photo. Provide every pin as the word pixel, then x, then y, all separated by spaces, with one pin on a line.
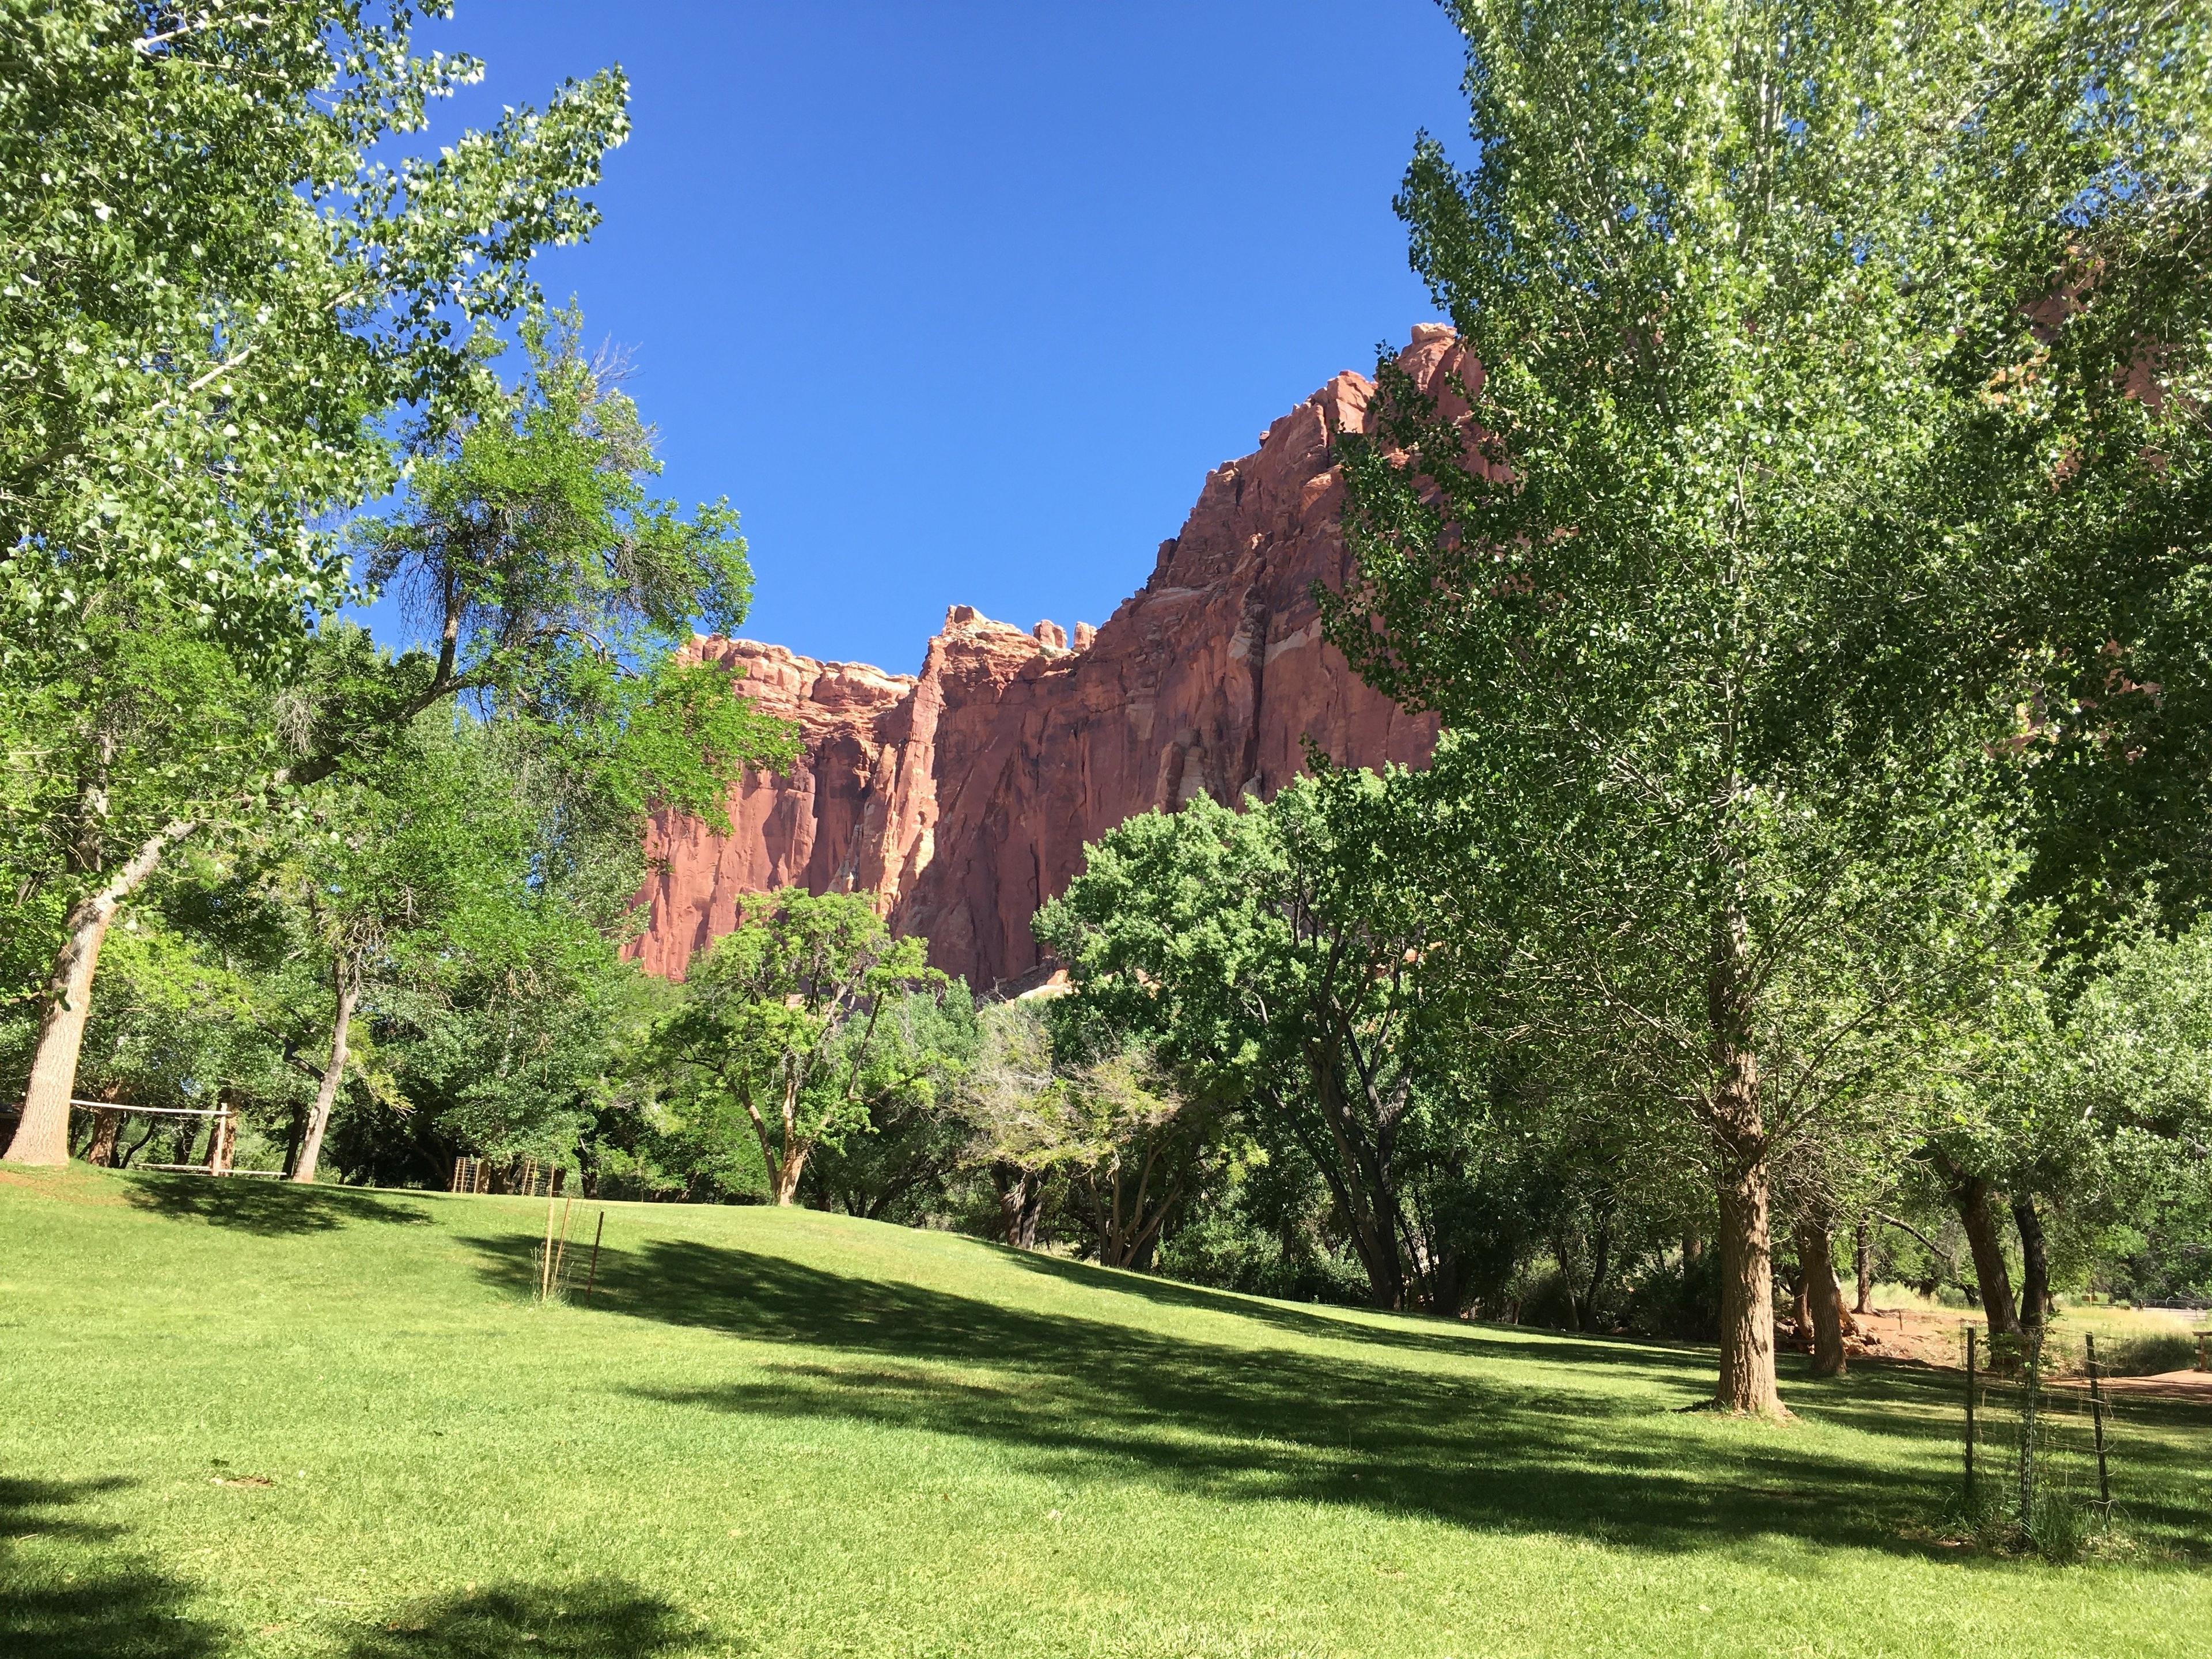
pixel 2190 1387
pixel 68 1185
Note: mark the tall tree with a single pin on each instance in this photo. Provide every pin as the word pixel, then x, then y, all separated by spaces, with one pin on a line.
pixel 1738 281
pixel 215 295
pixel 557 585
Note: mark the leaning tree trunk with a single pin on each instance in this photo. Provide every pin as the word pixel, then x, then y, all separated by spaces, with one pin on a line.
pixel 1970 1197
pixel 2034 1264
pixel 1824 1295
pixel 42 1135
pixel 311 1149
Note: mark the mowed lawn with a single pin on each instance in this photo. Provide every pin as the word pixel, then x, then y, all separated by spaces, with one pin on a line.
pixel 239 1420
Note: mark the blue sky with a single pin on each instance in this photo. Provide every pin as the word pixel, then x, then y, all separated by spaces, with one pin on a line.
pixel 958 301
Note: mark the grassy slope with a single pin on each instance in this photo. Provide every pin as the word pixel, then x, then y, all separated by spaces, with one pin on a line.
pixel 790 1433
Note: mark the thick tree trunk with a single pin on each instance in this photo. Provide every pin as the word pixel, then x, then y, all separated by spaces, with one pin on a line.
pixel 1742 1179
pixel 1021 1202
pixel 311 1149
pixel 1824 1297
pixel 784 1176
pixel 1747 1378
pixel 42 1135
pixel 1970 1197
pixel 106 1126
pixel 2034 1263
pixel 1864 1261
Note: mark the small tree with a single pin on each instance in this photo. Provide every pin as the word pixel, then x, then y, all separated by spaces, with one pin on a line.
pixel 785 1019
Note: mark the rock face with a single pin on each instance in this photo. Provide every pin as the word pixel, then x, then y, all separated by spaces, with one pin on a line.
pixel 960 800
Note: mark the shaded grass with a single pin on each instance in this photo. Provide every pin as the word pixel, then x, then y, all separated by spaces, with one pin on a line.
pixel 789 1433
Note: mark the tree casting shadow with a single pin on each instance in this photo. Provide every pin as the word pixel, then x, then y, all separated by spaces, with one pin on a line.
pixel 1088 1399
pixel 272 1208
pixel 96 1599
pixel 598 1619
pixel 1416 1333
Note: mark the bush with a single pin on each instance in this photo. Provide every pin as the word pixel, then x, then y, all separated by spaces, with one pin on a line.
pixel 1680 1300
pixel 1224 1250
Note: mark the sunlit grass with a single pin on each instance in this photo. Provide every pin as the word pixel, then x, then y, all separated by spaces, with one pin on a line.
pixel 257 1421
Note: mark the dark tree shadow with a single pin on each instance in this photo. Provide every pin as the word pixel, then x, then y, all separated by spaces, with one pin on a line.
pixel 272 1208
pixel 1088 1399
pixel 1416 1333
pixel 98 1600
pixel 598 1619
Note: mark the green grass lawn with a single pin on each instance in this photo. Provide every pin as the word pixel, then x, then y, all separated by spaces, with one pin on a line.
pixel 239 1420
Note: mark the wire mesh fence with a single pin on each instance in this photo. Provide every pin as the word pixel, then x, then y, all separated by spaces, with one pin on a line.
pixel 2045 1452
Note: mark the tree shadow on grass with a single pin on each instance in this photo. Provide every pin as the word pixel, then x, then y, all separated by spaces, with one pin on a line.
pixel 272 1208
pixel 1418 1333
pixel 598 1619
pixel 1087 1400
pixel 91 1599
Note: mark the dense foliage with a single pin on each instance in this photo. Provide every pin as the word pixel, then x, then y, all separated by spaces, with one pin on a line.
pixel 1805 554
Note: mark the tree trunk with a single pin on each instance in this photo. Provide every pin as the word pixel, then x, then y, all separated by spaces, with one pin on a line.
pixel 106 1125
pixel 1747 1378
pixel 784 1175
pixel 1567 1284
pixel 1864 1261
pixel 1824 1297
pixel 42 1134
pixel 2034 1264
pixel 1021 1202
pixel 1970 1197
pixel 311 1149
pixel 222 1139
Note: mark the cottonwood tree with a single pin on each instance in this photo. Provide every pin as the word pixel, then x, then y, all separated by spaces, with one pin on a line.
pixel 1738 282
pixel 380 867
pixel 1106 1119
pixel 1009 1099
pixel 789 1019
pixel 556 586
pixel 215 296
pixel 1277 957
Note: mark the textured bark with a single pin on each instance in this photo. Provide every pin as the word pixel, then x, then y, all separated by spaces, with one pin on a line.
pixel 1742 1176
pixel 2034 1263
pixel 1747 1379
pixel 1824 1295
pixel 42 1134
pixel 106 1125
pixel 311 1148
pixel 1970 1197
pixel 1021 1202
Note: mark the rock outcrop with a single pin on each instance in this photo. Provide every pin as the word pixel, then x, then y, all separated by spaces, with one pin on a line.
pixel 960 800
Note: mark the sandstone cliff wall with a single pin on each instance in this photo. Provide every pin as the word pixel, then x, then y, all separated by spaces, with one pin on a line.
pixel 961 799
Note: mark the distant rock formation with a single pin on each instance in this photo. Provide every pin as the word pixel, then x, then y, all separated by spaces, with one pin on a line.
pixel 960 800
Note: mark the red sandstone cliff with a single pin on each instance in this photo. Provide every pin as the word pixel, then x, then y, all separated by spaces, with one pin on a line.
pixel 961 799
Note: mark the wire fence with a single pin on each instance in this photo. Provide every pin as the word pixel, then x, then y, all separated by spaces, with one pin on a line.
pixel 2045 1454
